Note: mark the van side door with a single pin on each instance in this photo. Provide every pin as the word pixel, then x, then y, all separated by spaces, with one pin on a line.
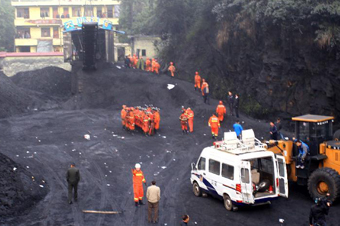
pixel 213 176
pixel 246 183
pixel 282 185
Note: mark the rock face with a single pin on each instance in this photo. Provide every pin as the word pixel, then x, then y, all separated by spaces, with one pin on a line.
pixel 275 73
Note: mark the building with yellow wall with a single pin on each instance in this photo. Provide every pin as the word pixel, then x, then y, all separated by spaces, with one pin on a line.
pixel 39 23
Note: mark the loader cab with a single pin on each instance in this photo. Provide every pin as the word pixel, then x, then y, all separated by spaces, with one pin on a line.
pixel 313 130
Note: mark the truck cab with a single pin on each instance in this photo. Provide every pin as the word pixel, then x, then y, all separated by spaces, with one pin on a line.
pixel 241 172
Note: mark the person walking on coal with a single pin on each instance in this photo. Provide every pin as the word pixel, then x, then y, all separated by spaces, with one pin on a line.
pixel 214 124
pixel 197 81
pixel 138 180
pixel 185 220
pixel 221 111
pixel 238 129
pixel 205 92
pixel 273 131
pixel 303 151
pixel 279 128
pixel 127 62
pixel 73 178
pixel 236 105
pixel 153 194
pixel 231 102
pixel 172 69
pixel 191 116
pixel 318 212
pixel 184 121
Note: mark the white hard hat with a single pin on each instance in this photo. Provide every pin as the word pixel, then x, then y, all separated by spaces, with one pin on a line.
pixel 137 166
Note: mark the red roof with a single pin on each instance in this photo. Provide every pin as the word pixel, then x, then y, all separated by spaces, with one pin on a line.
pixel 5 54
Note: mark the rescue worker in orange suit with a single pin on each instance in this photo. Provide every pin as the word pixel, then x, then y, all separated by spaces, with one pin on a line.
pixel 197 81
pixel 153 65
pixel 172 69
pixel 123 116
pixel 221 111
pixel 138 180
pixel 131 119
pixel 134 61
pixel 151 122
pixel 148 64
pixel 184 121
pixel 146 123
pixel 214 124
pixel 191 115
pixel 156 67
pixel 157 119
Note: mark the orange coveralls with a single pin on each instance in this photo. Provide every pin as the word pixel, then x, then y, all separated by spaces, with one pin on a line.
pixel 146 123
pixel 156 67
pixel 134 61
pixel 197 81
pixel 204 84
pixel 157 119
pixel 123 116
pixel 221 111
pixel 138 180
pixel 191 115
pixel 148 65
pixel 131 120
pixel 172 69
pixel 184 121
pixel 214 123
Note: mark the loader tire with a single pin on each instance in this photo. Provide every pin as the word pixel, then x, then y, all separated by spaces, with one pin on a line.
pixel 322 181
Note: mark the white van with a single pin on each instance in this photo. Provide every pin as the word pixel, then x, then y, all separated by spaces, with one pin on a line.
pixel 241 172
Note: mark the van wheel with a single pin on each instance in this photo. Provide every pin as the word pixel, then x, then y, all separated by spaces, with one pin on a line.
pixel 228 204
pixel 196 189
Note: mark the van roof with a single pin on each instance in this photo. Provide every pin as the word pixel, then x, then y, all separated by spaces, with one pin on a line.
pixel 220 154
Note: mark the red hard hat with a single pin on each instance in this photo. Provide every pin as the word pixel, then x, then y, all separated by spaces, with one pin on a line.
pixel 196 72
pixel 221 102
pixel 171 63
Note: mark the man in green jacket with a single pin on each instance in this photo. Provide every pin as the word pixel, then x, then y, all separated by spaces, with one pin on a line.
pixel 72 177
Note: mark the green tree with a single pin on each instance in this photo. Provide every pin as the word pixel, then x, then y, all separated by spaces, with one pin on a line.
pixel 6 26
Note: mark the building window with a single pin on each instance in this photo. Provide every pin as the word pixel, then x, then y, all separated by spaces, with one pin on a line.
pixel 44 12
pixel 23 12
pixel 76 12
pixel 89 11
pixel 55 32
pixel 143 52
pixel 109 12
pixel 65 13
pixel 45 32
pixel 55 12
pixel 214 167
pixel 117 11
pixel 99 12
pixel 25 49
pixel 23 33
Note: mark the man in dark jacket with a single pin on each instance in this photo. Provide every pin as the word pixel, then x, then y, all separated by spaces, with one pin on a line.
pixel 127 62
pixel 318 212
pixel 231 102
pixel 273 131
pixel 236 104
pixel 72 177
pixel 279 127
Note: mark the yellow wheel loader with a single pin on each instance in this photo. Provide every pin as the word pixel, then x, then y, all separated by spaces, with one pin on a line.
pixel 322 164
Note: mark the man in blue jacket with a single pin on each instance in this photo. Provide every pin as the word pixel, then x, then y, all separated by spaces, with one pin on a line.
pixel 303 151
pixel 238 129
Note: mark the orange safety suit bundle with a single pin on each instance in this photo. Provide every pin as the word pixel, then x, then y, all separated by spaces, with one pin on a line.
pixel 197 81
pixel 191 115
pixel 184 121
pixel 214 123
pixel 157 119
pixel 204 84
pixel 172 69
pixel 148 64
pixel 123 116
pixel 138 180
pixel 221 111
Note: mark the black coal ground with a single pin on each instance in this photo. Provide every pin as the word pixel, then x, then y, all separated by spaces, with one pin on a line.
pixel 56 136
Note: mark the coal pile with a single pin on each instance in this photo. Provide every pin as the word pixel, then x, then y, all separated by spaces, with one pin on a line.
pixel 19 190
pixel 52 82
pixel 15 100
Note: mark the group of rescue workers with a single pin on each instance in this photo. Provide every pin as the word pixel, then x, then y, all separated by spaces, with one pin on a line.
pixel 147 119
pixel 139 63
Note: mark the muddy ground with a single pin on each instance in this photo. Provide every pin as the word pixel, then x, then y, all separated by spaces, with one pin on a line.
pixel 54 139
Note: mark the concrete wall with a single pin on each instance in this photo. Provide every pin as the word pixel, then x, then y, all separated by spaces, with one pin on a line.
pixel 13 65
pixel 146 43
